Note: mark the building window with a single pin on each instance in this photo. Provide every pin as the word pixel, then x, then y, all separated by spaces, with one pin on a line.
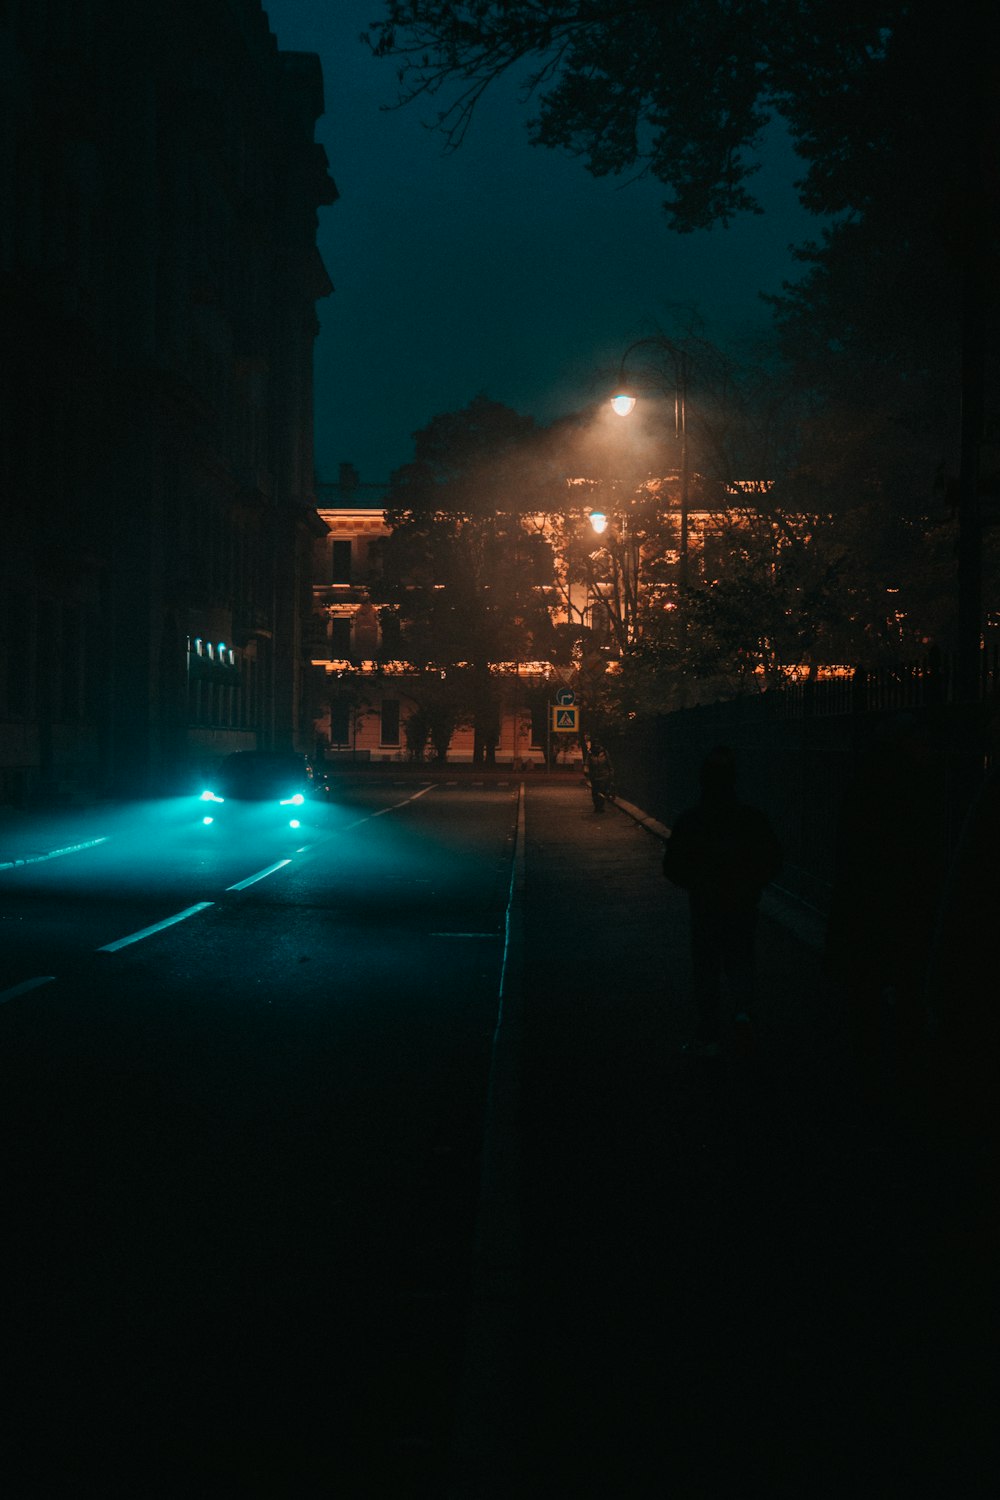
pixel 341 563
pixel 340 722
pixel 390 722
pixel 392 644
pixel 340 638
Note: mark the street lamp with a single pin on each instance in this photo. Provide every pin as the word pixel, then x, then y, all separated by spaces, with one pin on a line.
pixel 623 402
pixel 627 569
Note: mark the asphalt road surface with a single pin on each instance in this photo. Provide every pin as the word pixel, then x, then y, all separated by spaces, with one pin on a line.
pixel 244 1085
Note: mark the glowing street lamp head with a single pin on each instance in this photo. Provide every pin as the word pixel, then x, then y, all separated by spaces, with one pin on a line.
pixel 623 402
pixel 599 521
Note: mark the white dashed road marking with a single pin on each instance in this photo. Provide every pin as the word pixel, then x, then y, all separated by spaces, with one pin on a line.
pixel 145 932
pixel 25 986
pixel 241 885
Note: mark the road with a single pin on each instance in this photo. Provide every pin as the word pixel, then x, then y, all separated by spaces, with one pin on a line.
pixel 244 1089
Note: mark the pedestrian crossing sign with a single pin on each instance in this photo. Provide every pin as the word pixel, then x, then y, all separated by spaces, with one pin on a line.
pixel 565 720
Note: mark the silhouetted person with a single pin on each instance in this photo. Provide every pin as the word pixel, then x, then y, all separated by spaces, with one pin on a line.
pixel 722 852
pixel 888 872
pixel 600 774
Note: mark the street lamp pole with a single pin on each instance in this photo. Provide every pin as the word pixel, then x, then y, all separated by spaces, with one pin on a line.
pixel 623 403
pixel 680 423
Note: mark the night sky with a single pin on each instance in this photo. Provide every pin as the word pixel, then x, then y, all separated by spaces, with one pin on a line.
pixel 502 269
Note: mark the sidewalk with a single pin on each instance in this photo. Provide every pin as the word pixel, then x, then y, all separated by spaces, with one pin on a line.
pixel 731 1275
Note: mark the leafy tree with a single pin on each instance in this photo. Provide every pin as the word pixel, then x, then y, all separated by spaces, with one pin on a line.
pixel 676 88
pixel 684 89
pixel 784 593
pixel 440 709
pixel 797 567
pixel 461 563
pixel 894 113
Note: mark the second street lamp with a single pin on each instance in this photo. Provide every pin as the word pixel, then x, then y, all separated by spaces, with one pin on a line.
pixel 625 577
pixel 623 400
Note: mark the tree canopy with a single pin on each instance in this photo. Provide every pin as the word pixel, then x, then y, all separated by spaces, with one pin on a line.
pixel 684 89
pixel 893 329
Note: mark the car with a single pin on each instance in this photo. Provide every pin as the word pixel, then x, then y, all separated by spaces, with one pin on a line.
pixel 266 788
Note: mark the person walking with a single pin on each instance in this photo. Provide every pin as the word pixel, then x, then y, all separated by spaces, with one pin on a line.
pixel 722 852
pixel 600 774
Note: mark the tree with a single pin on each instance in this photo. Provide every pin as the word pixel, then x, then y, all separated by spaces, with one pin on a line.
pixel 460 566
pixel 439 710
pixel 794 566
pixel 894 331
pixel 684 89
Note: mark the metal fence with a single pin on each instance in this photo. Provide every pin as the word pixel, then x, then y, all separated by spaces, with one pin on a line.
pixel 800 750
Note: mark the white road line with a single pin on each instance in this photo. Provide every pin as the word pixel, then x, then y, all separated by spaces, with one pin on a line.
pixel 145 932
pixel 25 986
pixel 383 810
pixel 36 859
pixel 241 885
pixel 422 792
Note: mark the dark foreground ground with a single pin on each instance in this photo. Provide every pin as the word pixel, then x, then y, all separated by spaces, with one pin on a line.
pixel 746 1277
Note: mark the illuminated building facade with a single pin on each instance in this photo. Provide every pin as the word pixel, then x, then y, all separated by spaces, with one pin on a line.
pixel 364 689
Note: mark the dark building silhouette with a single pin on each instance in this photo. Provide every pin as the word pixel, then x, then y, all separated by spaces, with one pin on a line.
pixel 159 185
